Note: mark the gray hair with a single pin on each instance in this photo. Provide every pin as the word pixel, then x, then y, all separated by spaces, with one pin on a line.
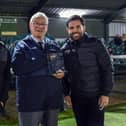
pixel 39 14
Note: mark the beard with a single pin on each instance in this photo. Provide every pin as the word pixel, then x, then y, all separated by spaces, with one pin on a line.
pixel 76 36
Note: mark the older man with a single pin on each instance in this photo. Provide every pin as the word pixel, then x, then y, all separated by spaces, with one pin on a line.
pixel 38 91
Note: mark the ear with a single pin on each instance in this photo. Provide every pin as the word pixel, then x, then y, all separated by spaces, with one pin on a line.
pixel 30 25
pixel 84 28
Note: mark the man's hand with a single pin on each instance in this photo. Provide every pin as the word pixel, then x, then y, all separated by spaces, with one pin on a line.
pixel 103 101
pixel 68 101
pixel 1 103
pixel 59 74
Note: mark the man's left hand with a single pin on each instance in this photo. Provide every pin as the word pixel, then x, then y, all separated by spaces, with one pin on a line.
pixel 103 101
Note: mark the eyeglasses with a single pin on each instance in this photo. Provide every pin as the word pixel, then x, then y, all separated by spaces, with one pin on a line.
pixel 39 24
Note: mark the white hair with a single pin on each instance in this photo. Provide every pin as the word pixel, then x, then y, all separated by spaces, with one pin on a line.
pixel 39 14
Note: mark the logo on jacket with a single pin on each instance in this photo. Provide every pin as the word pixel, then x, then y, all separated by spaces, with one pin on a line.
pixel 33 58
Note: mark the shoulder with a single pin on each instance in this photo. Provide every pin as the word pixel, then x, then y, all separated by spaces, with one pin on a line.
pixel 92 39
pixel 95 41
pixel 23 42
pixel 51 44
pixel 96 44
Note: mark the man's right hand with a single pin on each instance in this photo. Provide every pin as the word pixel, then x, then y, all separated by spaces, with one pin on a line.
pixel 68 101
pixel 59 74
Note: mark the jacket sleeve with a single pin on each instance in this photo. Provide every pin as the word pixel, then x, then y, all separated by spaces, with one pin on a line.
pixel 7 80
pixel 22 63
pixel 105 68
pixel 66 85
pixel 66 80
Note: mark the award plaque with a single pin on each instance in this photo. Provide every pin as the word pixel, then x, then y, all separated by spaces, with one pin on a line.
pixel 55 62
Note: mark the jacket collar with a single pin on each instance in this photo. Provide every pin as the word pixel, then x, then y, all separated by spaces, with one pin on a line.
pixel 78 42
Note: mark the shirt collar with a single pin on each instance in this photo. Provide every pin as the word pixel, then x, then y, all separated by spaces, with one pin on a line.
pixel 36 40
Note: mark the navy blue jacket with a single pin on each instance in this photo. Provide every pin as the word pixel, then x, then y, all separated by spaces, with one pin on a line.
pixel 35 89
pixel 89 68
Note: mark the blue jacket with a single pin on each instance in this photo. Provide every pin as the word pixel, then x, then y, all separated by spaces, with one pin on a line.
pixel 36 90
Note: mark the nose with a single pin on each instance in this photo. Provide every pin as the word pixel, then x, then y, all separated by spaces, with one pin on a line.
pixel 75 29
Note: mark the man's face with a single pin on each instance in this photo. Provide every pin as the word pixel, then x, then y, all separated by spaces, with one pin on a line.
pixel 38 27
pixel 75 29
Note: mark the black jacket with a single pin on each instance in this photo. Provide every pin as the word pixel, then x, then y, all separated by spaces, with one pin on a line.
pixel 5 77
pixel 89 68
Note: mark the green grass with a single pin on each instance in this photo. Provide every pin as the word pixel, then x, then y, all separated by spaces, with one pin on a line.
pixel 8 121
pixel 66 114
pixel 115 119
pixel 111 119
pixel 118 108
pixel 67 122
pixel 115 116
pixel 115 113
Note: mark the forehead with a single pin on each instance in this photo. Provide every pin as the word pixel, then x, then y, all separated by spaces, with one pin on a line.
pixel 39 19
pixel 74 23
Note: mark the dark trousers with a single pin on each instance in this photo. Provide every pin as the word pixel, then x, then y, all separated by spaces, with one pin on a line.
pixel 41 118
pixel 2 110
pixel 87 111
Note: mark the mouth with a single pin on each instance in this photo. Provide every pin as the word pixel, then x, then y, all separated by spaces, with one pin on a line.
pixel 76 34
pixel 40 31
